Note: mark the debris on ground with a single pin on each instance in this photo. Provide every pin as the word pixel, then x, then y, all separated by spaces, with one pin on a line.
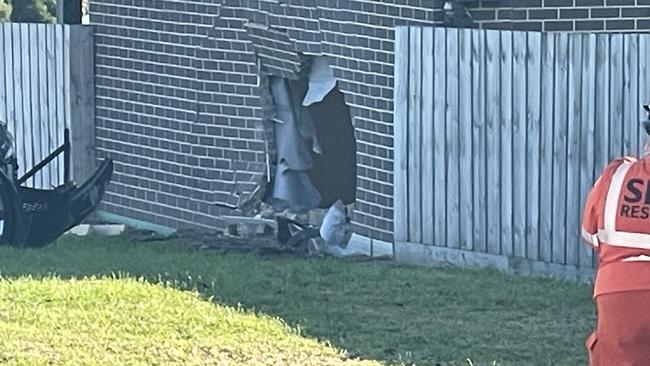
pixel 222 243
pixel 97 229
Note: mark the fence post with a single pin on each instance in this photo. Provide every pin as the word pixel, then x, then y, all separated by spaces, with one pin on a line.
pixel 68 11
pixel 82 102
pixel 401 134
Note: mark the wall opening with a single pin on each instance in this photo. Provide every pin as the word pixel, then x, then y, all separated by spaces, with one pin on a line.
pixel 315 159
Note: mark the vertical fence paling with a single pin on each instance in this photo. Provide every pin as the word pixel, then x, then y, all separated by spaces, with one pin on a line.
pixel 427 135
pixel 479 178
pixel 560 119
pixel 574 115
pixel 439 138
pixel 32 94
pixel 465 138
pixel 519 143
pixel 546 147
pixel 533 64
pixel 452 140
pixel 492 120
pixel 587 129
pixel 508 131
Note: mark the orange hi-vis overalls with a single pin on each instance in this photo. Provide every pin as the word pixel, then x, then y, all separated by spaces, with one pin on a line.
pixel 616 223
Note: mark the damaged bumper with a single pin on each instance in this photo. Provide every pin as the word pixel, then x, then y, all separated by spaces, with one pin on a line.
pixel 33 217
pixel 44 215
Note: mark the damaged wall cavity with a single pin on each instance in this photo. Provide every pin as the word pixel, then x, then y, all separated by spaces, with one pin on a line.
pixel 307 107
pixel 296 141
pixel 316 152
pixel 315 161
pixel 335 170
pixel 299 32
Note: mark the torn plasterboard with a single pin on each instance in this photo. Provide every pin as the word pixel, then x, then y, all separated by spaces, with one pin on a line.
pixel 321 81
pixel 294 136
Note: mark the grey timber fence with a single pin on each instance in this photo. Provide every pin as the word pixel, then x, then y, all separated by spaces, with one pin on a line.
pixel 499 135
pixel 46 85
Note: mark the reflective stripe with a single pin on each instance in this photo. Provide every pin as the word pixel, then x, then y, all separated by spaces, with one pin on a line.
pixel 623 239
pixel 613 193
pixel 590 238
pixel 586 235
pixel 640 258
pixel 609 234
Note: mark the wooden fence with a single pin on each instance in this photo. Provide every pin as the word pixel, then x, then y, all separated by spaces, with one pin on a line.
pixel 46 85
pixel 499 135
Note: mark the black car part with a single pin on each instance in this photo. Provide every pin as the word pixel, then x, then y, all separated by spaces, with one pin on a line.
pixel 32 217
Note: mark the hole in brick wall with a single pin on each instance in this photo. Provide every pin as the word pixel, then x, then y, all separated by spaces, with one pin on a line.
pixel 335 169
pixel 315 146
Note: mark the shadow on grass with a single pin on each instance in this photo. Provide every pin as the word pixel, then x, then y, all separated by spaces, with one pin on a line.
pixel 375 310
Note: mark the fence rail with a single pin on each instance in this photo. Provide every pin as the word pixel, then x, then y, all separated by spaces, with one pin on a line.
pixel 499 135
pixel 46 86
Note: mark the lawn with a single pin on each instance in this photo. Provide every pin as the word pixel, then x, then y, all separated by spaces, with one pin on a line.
pixel 374 310
pixel 126 321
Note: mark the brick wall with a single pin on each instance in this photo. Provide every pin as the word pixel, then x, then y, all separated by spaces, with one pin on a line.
pixel 564 15
pixel 181 106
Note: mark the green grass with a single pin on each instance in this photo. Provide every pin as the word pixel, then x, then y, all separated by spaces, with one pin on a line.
pixel 374 310
pixel 127 322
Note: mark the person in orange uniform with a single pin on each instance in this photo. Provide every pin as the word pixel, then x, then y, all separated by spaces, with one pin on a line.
pixel 616 223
